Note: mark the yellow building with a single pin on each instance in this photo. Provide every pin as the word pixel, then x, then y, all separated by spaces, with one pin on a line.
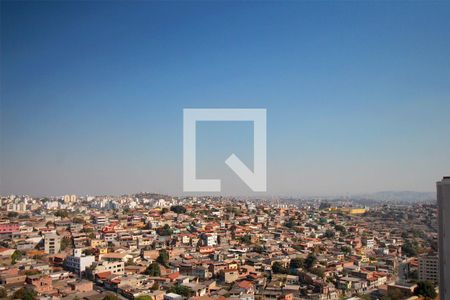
pixel 357 211
pixel 97 243
pixel 348 210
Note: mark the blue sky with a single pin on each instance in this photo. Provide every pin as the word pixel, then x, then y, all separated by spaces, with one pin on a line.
pixel 357 94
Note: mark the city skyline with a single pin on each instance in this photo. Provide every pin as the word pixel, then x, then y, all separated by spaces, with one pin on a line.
pixel 92 94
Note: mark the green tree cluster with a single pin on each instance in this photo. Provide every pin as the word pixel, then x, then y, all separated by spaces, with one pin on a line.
pixel 425 289
pixel 246 239
pixel 65 243
pixel 310 261
pixel 297 263
pixel 181 290
pixel 278 268
pixel 16 256
pixel 163 257
pixel 25 294
pixel 62 213
pixel 410 249
pixel 164 231
pixel 153 269
pixel 178 209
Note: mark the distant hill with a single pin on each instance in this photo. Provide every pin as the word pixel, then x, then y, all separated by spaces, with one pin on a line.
pixel 400 196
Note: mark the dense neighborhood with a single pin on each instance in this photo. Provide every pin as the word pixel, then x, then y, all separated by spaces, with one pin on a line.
pixel 156 247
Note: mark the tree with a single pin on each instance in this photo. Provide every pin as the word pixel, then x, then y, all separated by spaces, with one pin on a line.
pixel 87 230
pixel 143 297
pixel 410 248
pixel 163 257
pixel 32 272
pixel 65 243
pixel 278 268
pixel 297 247
pixel 246 239
pixel 89 251
pixel 329 234
pixel 164 231
pixel 178 209
pixel 296 263
pixel 310 261
pixel 155 286
pixel 236 211
pixel 364 296
pixel 62 213
pixel 111 297
pixel 153 269
pixel 3 293
pixel 346 249
pixel 290 223
pixel 425 289
pixel 318 271
pixel 78 220
pixel 25 294
pixel 12 214
pixel 181 290
pixel 259 249
pixel 17 255
pixel 340 228
pixel 24 216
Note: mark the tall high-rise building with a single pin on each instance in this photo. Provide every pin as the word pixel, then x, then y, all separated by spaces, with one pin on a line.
pixel 429 268
pixel 443 197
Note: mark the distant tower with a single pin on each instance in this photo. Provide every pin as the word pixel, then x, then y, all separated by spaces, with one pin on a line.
pixel 443 197
pixel 70 198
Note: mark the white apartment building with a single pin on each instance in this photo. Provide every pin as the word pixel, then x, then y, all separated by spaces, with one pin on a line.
pixel 52 205
pixel 368 242
pixel 210 239
pixel 77 262
pixel 101 220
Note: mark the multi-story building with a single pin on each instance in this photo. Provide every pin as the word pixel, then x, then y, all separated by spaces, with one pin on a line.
pixel 17 207
pixel 368 242
pixel 429 268
pixel 78 262
pixel 115 267
pixel 443 197
pixel 41 283
pixel 210 239
pixel 52 243
pixel 70 198
pixel 101 220
pixel 9 227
